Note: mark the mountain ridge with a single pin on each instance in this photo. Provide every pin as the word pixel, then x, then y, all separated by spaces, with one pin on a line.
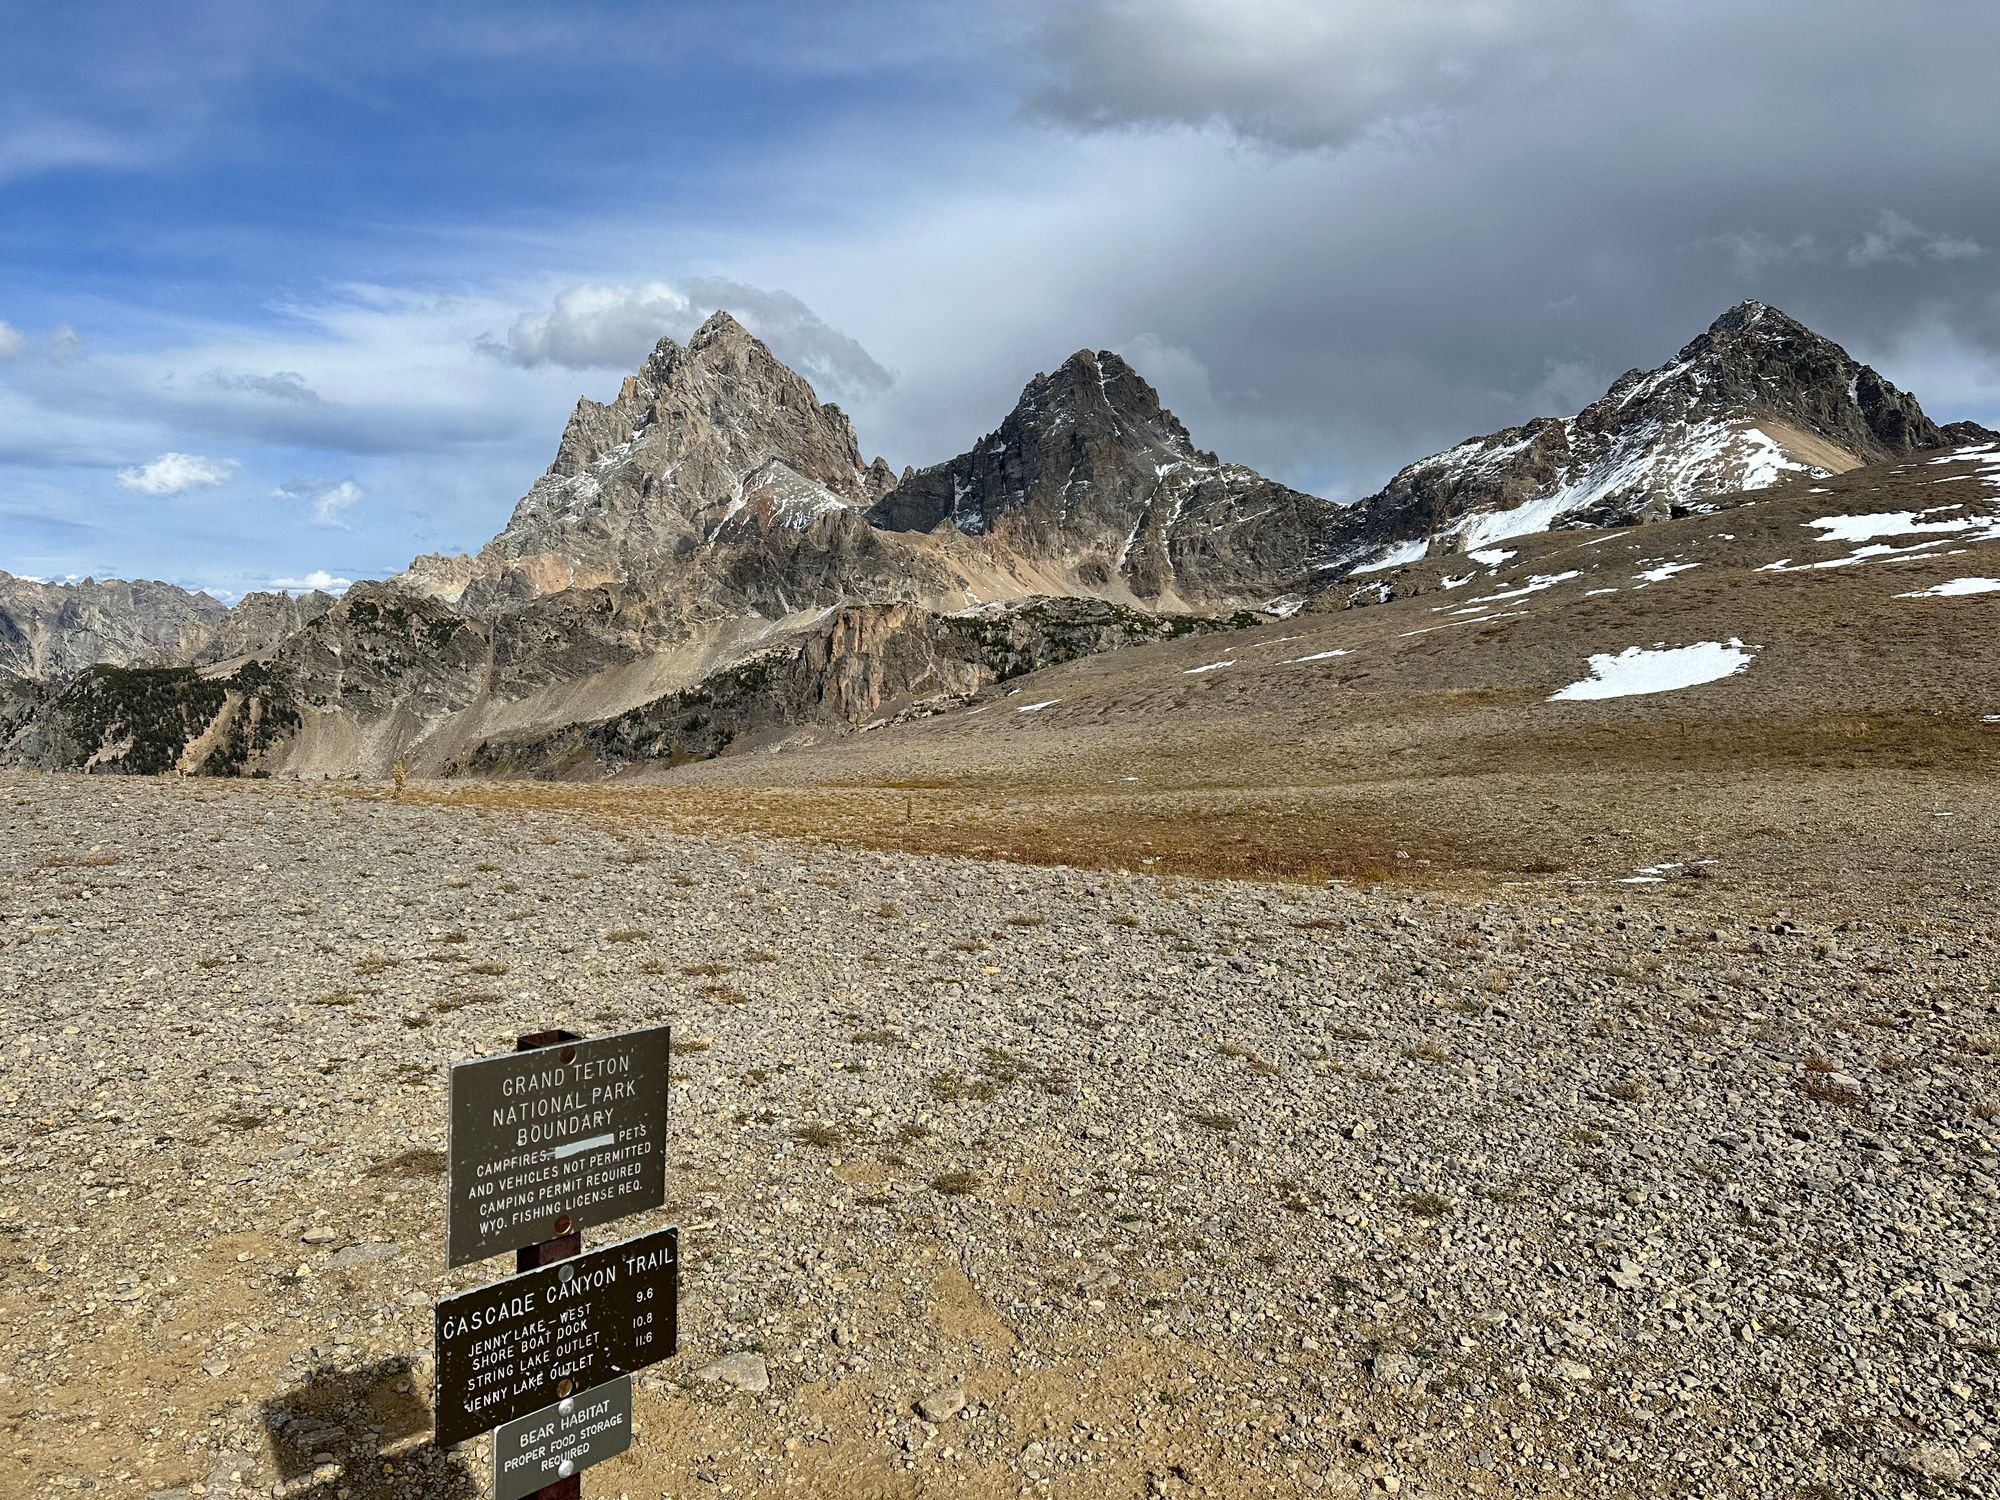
pixel 1756 397
pixel 715 514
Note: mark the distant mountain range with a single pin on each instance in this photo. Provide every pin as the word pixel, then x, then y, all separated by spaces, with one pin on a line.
pixel 710 564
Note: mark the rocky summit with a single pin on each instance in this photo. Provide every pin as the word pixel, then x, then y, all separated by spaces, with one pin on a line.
pixel 1757 397
pixel 1090 473
pixel 715 444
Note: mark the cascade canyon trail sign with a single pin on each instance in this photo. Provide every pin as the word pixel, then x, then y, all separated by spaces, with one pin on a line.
pixel 512 1348
pixel 561 1440
pixel 545 1141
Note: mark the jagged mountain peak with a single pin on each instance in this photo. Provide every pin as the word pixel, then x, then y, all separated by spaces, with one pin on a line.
pixel 1750 314
pixel 715 433
pixel 1091 473
pixel 1755 398
pixel 722 347
pixel 721 327
pixel 1097 387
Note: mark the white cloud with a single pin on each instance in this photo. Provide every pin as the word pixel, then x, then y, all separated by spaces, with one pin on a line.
pixel 615 327
pixel 598 327
pixel 66 345
pixel 1566 385
pixel 1752 253
pixel 328 499
pixel 12 340
pixel 57 144
pixel 171 473
pixel 318 578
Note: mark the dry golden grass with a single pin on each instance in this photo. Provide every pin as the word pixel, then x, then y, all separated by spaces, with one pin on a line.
pixel 1245 833
pixel 1824 1090
pixel 78 861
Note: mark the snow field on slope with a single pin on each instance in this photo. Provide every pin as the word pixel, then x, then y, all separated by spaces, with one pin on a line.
pixel 1639 670
pixel 1956 588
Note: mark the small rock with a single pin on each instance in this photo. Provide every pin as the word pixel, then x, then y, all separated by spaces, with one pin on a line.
pixel 943 1404
pixel 744 1370
pixel 1931 1461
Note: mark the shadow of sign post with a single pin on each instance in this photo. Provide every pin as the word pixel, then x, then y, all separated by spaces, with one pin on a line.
pixel 362 1434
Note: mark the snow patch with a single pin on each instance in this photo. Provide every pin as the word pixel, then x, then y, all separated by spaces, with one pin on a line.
pixel 1639 670
pixel 1534 585
pixel 1873 552
pixel 1955 588
pixel 1396 556
pixel 1890 523
pixel 1687 461
pixel 1214 666
pixel 1665 571
pixel 1316 656
pixel 1482 618
pixel 1035 708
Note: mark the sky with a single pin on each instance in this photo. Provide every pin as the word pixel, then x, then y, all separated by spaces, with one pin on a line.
pixel 289 294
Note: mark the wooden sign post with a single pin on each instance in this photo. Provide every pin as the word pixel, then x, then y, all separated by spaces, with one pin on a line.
pixel 567 1243
pixel 563 1132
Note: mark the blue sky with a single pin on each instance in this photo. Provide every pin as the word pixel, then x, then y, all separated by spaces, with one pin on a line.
pixel 300 291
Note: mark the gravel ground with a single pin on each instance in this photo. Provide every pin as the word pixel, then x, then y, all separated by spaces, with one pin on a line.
pixel 997 1180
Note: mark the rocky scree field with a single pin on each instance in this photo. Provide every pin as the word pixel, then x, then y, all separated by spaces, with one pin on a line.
pixel 1002 1180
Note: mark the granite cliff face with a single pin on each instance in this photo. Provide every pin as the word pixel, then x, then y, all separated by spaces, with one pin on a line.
pixel 51 631
pixel 865 664
pixel 1755 399
pixel 258 623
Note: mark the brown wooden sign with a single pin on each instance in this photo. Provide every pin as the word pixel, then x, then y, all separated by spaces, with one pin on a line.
pixel 544 1142
pixel 518 1345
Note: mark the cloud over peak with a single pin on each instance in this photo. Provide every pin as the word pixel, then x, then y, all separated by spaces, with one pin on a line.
pixel 171 473
pixel 595 327
pixel 1896 238
pixel 318 579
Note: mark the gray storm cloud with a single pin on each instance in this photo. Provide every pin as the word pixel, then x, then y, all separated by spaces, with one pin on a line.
pixel 1440 218
pixel 1302 73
